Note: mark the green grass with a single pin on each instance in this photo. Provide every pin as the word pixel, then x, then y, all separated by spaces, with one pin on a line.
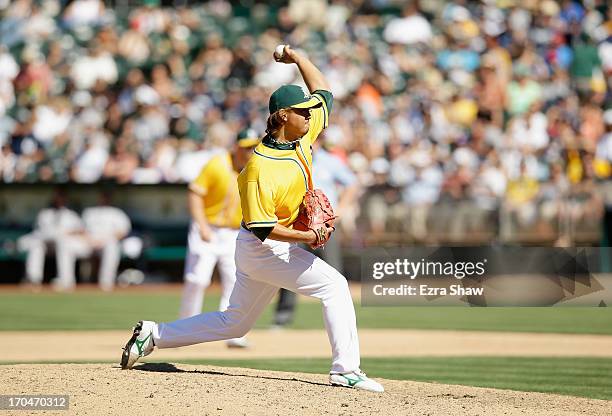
pixel 586 377
pixel 96 311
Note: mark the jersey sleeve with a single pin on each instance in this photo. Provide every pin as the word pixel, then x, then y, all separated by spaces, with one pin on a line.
pixel 205 178
pixel 257 202
pixel 319 118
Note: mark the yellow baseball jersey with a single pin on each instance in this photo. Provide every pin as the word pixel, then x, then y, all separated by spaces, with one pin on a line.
pixel 274 181
pixel 216 184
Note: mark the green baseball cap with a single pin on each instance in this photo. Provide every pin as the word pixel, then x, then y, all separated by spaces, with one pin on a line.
pixel 292 96
pixel 247 138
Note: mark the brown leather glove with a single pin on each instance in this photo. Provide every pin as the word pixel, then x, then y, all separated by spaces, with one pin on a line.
pixel 316 214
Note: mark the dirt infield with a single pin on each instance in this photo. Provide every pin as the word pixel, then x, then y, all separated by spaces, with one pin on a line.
pixel 167 389
pixel 74 346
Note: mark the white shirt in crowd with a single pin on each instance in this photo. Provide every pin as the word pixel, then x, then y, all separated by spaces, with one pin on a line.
pixel 531 132
pixel 84 12
pixel 50 122
pixel 604 148
pixel 88 69
pixel 408 30
pixel 89 166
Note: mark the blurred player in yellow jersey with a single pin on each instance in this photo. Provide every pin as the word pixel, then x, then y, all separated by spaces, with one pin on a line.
pixel 214 205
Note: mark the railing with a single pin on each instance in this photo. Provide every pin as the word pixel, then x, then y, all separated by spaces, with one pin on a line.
pixel 574 219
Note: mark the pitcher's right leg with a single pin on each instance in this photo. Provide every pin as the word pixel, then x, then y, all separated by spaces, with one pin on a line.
pixel 248 300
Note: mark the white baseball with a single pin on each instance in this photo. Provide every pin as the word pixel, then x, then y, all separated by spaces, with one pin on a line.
pixel 280 51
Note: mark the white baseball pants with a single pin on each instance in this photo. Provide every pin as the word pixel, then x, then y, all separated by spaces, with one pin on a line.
pixel 261 269
pixel 71 248
pixel 200 263
pixel 36 247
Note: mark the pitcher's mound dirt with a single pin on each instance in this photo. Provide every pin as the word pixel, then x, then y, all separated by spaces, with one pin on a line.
pixel 178 389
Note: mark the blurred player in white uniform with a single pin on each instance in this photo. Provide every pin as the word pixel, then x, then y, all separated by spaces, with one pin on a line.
pixel 52 224
pixel 104 228
pixel 214 205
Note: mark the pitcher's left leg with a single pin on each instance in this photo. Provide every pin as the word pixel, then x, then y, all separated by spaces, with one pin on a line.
pixel 303 272
pixel 322 281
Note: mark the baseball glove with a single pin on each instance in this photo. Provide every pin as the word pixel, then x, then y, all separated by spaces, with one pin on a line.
pixel 316 214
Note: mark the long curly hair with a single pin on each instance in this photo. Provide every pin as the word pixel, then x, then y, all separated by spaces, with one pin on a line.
pixel 274 123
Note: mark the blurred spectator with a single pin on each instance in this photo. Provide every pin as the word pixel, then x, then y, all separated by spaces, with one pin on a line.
pixel 420 28
pixel 122 161
pixel 421 193
pixel 456 208
pixel 8 71
pixel 530 130
pixel 490 92
pixel 133 47
pixel 603 153
pixel 34 80
pixel 520 207
pixel 339 183
pixel 522 92
pixel 97 65
pixel 84 13
pixel 489 185
pixel 584 63
pixel 51 120
pixel 381 201
pixel 89 166
pixel 8 164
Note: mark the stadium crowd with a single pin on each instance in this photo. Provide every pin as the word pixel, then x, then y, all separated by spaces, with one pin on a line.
pixel 490 102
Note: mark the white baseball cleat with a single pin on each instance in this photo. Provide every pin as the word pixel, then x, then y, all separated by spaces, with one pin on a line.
pixel 58 285
pixel 140 344
pixel 241 342
pixel 356 380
